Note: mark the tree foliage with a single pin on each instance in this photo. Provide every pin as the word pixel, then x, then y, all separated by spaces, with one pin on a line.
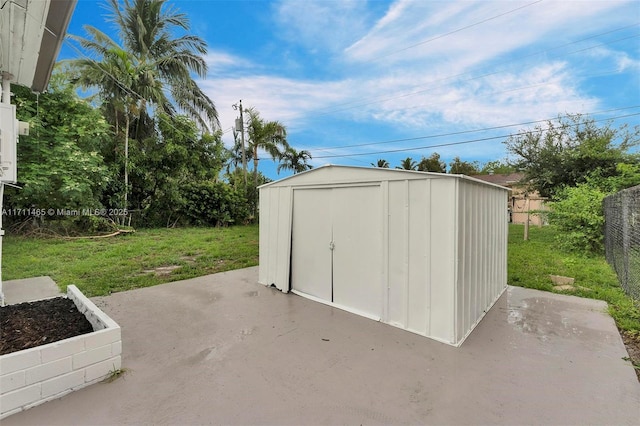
pixel 498 167
pixel 149 30
pixel 151 66
pixel 163 164
pixel 459 167
pixel 59 163
pixel 432 164
pixel 564 152
pixel 296 161
pixel 211 203
pixel 577 163
pixel 578 213
pixel 381 163
pixel 407 164
pixel 270 136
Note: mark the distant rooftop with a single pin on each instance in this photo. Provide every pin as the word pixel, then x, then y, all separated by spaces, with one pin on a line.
pixel 502 180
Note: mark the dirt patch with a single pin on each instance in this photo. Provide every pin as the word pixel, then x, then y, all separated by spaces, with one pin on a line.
pixel 162 271
pixel 632 343
pixel 31 324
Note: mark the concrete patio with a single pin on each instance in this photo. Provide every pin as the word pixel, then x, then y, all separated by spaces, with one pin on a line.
pixel 223 349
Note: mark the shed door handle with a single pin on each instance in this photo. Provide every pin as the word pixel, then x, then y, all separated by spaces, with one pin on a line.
pixel 331 245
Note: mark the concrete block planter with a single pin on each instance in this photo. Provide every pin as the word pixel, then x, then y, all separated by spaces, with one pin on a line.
pixel 37 375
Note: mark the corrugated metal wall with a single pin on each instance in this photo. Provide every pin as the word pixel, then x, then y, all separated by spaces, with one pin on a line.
pixel 275 236
pixel 421 256
pixel 443 244
pixel 481 273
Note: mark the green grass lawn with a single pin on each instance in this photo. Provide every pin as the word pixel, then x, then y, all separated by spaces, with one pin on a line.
pixel 103 266
pixel 531 262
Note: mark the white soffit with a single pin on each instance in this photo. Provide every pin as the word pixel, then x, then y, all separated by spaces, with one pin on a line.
pixel 31 33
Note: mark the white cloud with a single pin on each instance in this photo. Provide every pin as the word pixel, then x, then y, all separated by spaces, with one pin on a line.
pixel 457 35
pixel 289 101
pixel 621 61
pixel 466 80
pixel 219 62
pixel 321 24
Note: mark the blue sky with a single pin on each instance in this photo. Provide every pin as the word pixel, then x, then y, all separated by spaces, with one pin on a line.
pixel 356 81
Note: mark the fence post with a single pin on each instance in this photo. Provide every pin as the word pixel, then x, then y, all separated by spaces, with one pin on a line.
pixel 626 238
pixel 622 237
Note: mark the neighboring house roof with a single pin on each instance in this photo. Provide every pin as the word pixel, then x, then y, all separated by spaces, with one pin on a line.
pixel 507 180
pixel 31 32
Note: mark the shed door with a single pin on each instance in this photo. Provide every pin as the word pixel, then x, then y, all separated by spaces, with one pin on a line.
pixel 337 247
pixel 311 235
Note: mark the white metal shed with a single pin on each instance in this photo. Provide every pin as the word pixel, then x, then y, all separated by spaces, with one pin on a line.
pixel 426 252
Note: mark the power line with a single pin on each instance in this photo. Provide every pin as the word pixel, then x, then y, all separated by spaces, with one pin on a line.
pixel 454 31
pixel 449 143
pixel 435 84
pixel 462 132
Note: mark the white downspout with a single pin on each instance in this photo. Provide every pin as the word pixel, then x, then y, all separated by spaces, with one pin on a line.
pixel 6 87
pixel 6 99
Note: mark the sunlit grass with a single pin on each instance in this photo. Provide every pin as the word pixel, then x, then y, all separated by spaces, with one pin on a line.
pixel 531 262
pixel 103 266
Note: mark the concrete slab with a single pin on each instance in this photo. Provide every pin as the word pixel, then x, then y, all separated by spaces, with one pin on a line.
pixel 222 349
pixel 29 289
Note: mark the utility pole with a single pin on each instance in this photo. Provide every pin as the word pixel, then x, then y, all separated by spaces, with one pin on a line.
pixel 240 127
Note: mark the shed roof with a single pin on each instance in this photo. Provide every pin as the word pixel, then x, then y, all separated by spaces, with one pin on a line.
pixel 331 173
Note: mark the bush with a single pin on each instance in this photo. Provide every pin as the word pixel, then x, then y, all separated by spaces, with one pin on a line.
pixel 577 212
pixel 215 204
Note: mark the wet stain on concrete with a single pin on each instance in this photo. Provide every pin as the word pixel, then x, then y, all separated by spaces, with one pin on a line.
pixel 547 319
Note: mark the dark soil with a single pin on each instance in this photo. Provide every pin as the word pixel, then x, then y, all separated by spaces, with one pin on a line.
pixel 27 325
pixel 632 343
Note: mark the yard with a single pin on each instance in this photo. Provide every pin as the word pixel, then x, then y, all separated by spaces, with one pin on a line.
pixel 149 257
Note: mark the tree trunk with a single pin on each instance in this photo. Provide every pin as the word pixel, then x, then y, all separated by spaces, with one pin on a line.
pixel 126 162
pixel 255 165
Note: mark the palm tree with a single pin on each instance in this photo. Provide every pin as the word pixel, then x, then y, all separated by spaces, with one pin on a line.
pixel 120 81
pixel 383 164
pixel 150 62
pixel 147 30
pixel 407 164
pixel 235 154
pixel 270 136
pixel 295 161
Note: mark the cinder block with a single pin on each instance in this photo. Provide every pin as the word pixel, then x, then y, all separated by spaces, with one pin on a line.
pixel 12 381
pixel 91 357
pixel 102 369
pixel 63 383
pixel 19 398
pixel 101 338
pixel 116 348
pixel 48 370
pixel 20 360
pixel 98 319
pixel 62 349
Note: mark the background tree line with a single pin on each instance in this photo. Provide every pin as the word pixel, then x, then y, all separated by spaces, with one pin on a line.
pixel 147 138
pixel 435 164
pixel 574 161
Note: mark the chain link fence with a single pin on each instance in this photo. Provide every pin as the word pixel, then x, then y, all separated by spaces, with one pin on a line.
pixel 622 237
